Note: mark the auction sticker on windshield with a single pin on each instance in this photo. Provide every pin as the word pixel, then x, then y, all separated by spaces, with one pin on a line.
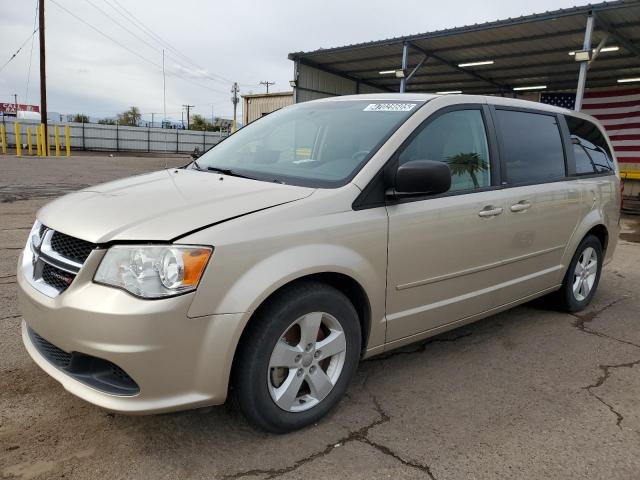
pixel 389 107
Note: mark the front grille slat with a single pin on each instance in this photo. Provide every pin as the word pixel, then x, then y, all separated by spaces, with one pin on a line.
pixel 96 372
pixel 71 247
pixel 55 257
pixel 58 357
pixel 58 279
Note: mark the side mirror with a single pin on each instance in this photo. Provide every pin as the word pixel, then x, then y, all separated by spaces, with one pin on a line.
pixel 422 177
pixel 196 153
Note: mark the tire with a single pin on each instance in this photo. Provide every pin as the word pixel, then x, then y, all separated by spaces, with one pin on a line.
pixel 281 372
pixel 567 297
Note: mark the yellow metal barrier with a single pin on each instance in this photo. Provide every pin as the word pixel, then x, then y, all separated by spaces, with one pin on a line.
pixel 48 135
pixel 29 146
pixel 47 138
pixel 18 140
pixel 3 138
pixel 43 137
pixel 38 141
pixel 67 139
pixel 56 133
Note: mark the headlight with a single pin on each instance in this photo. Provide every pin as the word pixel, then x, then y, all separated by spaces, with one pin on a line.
pixel 34 235
pixel 153 271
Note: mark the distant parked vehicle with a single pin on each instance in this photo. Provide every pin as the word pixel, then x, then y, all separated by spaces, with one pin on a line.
pixel 324 233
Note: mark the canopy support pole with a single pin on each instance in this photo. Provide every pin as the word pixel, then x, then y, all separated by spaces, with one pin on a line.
pixel 582 78
pixel 405 61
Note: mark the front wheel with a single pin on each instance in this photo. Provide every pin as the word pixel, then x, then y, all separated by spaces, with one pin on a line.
pixel 582 277
pixel 297 357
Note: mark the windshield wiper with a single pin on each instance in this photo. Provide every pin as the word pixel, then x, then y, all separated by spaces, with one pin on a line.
pixel 233 173
pixel 230 172
pixel 197 165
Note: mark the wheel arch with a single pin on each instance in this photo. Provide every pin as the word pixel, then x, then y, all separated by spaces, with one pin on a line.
pixel 601 233
pixel 594 223
pixel 342 282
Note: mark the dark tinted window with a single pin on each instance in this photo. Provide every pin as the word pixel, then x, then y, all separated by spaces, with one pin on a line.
pixel 590 148
pixel 531 146
pixel 459 139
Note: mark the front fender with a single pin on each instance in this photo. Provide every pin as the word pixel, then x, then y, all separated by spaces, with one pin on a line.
pixel 269 274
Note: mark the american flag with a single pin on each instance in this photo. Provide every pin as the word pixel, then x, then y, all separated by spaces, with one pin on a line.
pixel 617 110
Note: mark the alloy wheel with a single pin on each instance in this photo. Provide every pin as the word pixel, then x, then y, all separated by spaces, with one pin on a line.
pixel 306 362
pixel 584 274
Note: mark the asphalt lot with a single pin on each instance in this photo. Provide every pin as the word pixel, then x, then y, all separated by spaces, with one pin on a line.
pixel 530 393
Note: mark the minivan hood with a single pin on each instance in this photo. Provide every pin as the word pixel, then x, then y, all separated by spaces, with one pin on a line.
pixel 162 205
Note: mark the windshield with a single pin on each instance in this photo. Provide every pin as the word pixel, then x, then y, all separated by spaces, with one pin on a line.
pixel 316 144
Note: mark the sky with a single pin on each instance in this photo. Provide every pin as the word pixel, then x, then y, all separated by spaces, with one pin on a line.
pixel 104 56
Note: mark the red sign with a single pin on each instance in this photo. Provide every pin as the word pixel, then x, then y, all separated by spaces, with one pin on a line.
pixel 11 108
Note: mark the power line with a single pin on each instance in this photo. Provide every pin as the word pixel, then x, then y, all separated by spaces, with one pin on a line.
pixel 158 66
pixel 105 35
pixel 136 22
pixel 35 21
pixel 18 51
pixel 122 26
pixel 140 38
pixel 139 24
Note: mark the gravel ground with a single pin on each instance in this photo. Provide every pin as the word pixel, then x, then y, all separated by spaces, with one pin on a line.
pixel 529 393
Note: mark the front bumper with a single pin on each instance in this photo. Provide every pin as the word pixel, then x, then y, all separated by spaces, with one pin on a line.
pixel 176 361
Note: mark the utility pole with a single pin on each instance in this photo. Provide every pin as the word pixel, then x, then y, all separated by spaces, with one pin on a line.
pixel 188 107
pixel 15 100
pixel 234 100
pixel 266 84
pixel 43 69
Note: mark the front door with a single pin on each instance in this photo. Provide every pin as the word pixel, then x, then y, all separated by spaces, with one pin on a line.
pixel 445 251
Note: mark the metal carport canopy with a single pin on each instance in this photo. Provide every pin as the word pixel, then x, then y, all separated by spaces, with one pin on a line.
pixel 531 50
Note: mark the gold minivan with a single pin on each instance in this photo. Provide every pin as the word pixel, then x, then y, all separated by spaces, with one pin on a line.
pixel 322 234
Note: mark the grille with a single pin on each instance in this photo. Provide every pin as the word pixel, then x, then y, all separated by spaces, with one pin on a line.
pixel 70 247
pixel 58 357
pixel 96 372
pixel 58 279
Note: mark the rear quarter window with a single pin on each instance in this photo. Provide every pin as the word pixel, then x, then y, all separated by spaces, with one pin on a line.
pixel 590 149
pixel 531 146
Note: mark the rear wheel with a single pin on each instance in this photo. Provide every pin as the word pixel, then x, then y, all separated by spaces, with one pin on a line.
pixel 582 277
pixel 297 357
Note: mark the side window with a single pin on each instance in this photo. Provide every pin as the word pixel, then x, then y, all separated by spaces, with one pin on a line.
pixel 590 148
pixel 531 147
pixel 459 139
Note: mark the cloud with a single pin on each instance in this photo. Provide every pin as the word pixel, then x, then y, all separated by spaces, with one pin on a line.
pixel 208 45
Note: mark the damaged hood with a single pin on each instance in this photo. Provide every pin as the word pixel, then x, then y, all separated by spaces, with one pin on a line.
pixel 162 205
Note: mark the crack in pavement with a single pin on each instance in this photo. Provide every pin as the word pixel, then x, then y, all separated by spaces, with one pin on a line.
pixel 606 373
pixel 387 451
pixel 583 319
pixel 419 347
pixel 580 324
pixel 10 316
pixel 359 435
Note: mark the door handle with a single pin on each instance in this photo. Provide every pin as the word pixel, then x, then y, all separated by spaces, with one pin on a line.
pixel 520 206
pixel 490 211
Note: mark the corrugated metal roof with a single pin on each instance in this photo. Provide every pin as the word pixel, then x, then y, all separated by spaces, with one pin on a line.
pixel 525 50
